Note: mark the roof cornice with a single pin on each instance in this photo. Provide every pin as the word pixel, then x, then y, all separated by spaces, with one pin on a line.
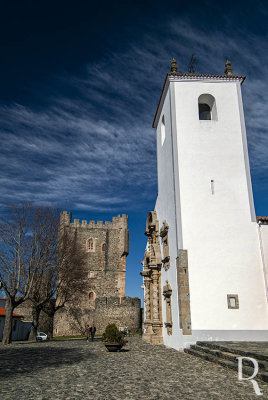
pixel 262 220
pixel 176 77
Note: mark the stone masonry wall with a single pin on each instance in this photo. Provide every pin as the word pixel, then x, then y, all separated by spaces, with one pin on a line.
pixel 71 320
pixel 184 292
pixel 126 313
pixel 103 299
pixel 106 268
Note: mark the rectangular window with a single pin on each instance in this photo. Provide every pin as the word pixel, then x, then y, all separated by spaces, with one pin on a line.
pixel 232 301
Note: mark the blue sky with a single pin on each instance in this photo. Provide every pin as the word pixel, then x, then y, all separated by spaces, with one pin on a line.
pixel 79 85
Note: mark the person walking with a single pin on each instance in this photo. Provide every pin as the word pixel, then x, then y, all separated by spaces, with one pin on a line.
pixel 92 330
pixel 87 331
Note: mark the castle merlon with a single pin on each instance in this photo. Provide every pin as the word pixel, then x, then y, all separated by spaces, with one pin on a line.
pixel 117 222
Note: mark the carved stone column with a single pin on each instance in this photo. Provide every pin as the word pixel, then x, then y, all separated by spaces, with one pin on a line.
pixel 167 291
pixel 152 279
pixel 155 296
pixel 156 321
pixel 147 300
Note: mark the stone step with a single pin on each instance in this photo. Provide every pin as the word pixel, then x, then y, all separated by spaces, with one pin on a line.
pixel 204 353
pixel 247 370
pixel 263 365
pixel 201 354
pixel 229 349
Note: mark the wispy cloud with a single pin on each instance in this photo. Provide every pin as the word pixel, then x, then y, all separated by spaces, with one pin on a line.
pixel 97 150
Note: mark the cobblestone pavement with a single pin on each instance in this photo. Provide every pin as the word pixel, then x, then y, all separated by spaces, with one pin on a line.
pixel 76 369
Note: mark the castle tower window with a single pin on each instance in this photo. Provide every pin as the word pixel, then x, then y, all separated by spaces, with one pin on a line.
pixel 207 107
pixel 103 247
pixel 90 245
pixel 91 296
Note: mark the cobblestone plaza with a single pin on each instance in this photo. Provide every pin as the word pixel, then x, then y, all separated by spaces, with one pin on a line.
pixel 76 369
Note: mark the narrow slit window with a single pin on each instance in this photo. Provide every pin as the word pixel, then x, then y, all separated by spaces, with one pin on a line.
pixel 163 130
pixel 212 186
pixel 91 296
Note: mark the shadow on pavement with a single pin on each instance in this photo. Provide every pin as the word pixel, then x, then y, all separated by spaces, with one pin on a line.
pixel 19 360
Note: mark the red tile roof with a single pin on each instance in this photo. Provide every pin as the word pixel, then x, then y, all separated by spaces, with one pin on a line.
pixel 225 77
pixel 262 220
pixel 3 313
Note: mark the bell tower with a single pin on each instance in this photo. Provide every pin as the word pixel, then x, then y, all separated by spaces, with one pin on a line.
pixel 205 196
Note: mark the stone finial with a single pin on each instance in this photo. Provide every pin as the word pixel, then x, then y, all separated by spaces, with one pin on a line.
pixel 173 66
pixel 228 68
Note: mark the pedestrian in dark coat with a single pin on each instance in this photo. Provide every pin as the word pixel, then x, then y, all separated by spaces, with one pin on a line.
pixel 92 330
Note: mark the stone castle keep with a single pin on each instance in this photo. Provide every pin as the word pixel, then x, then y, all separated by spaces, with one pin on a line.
pixel 103 299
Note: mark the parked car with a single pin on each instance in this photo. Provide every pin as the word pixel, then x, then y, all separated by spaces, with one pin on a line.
pixel 41 336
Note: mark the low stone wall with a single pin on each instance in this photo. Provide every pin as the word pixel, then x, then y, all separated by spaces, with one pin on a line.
pixel 123 312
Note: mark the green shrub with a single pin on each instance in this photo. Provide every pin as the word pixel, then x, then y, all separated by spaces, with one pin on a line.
pixel 112 335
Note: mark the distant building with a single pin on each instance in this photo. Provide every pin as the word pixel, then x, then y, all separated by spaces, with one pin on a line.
pixel 205 267
pixel 20 328
pixel 102 299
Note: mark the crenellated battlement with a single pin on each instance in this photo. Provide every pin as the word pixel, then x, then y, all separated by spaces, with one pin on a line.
pixel 117 222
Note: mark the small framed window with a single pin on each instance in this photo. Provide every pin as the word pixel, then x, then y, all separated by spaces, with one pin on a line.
pixel 90 245
pixel 103 247
pixel 232 301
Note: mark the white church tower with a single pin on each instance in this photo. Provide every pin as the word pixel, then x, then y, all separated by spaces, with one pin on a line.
pixel 205 272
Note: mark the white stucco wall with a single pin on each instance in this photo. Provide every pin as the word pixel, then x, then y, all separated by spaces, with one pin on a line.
pixel 263 237
pixel 165 209
pixel 218 230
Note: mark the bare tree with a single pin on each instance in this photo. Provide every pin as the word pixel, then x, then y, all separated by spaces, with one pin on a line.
pixel 20 255
pixel 56 284
pixel 77 319
pixel 37 259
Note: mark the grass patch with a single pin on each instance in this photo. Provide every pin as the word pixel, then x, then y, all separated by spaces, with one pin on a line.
pixel 72 337
pixel 68 337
